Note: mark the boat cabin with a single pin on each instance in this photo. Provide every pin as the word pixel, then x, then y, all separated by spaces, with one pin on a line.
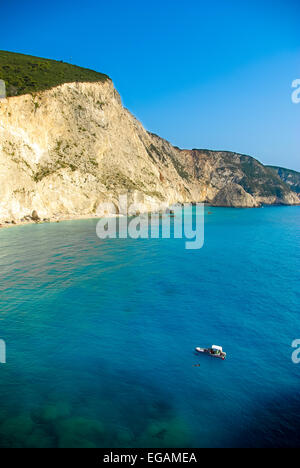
pixel 216 349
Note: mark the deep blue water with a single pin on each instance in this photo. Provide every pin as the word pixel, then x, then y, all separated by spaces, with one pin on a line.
pixel 100 335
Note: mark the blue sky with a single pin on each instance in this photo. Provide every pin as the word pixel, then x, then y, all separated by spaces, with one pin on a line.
pixel 203 74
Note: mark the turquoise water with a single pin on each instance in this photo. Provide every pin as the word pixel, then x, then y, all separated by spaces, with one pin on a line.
pixel 100 335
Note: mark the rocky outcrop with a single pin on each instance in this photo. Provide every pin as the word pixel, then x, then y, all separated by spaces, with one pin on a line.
pixel 233 195
pixel 65 150
pixel 215 170
pixel 289 177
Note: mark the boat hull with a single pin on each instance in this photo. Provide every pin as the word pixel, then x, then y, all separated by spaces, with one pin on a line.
pixel 208 351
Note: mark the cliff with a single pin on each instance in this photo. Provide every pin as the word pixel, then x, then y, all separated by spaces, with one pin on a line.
pixel 65 149
pixel 289 177
pixel 232 179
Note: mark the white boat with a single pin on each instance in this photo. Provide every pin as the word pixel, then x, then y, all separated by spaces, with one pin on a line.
pixel 214 351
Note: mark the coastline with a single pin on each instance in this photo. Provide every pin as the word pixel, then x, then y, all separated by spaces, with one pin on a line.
pixel 51 220
pixel 63 218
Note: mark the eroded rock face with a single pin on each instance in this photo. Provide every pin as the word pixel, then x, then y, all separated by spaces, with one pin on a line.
pixel 216 170
pixel 233 195
pixel 290 177
pixel 66 150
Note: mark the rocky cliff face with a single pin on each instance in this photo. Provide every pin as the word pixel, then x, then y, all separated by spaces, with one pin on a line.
pixel 289 177
pixel 65 150
pixel 231 179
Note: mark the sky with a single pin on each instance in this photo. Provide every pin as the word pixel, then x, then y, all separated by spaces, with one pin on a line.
pixel 202 74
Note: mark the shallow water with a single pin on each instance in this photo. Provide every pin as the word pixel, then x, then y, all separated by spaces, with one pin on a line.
pixel 100 335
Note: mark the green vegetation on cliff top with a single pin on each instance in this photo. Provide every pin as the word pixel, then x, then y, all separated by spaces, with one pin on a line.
pixel 26 74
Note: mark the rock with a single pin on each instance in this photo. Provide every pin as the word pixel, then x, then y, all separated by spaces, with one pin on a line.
pixel 51 412
pixel 17 427
pixel 35 216
pixel 233 195
pixel 38 439
pixel 78 432
pixel 169 433
pixel 20 432
pixel 291 178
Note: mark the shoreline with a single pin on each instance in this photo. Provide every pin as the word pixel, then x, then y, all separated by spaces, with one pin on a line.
pixel 49 221
pixel 59 219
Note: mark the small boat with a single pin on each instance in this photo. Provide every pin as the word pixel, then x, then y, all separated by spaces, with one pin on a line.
pixel 214 351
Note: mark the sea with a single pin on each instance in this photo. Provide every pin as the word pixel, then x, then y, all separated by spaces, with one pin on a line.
pixel 100 335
